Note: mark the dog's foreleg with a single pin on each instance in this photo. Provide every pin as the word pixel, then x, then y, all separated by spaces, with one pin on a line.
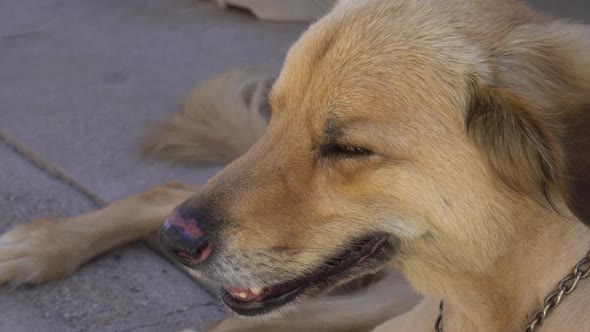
pixel 48 249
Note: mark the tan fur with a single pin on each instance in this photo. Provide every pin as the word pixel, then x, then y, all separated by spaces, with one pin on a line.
pixel 477 113
pixel 218 122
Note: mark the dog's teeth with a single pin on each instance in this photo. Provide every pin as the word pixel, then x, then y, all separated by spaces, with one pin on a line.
pixel 243 295
pixel 256 290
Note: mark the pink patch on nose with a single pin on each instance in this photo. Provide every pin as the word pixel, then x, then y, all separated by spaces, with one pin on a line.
pixel 189 226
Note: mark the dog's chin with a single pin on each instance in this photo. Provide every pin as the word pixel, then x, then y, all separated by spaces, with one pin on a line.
pixel 364 255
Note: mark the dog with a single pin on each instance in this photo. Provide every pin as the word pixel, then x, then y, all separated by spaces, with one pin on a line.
pixel 447 139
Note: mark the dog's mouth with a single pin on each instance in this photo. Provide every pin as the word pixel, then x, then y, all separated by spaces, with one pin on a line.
pixel 250 301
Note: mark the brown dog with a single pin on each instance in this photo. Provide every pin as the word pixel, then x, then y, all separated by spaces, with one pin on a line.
pixel 446 138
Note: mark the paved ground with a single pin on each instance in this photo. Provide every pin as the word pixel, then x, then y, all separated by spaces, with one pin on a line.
pixel 80 81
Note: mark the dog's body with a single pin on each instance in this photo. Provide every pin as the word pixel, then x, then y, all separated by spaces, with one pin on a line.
pixel 446 138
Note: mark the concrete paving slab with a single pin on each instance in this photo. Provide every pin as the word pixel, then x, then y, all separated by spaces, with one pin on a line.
pixel 130 289
pixel 83 79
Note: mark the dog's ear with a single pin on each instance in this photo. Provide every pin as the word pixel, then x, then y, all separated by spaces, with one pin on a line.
pixel 530 115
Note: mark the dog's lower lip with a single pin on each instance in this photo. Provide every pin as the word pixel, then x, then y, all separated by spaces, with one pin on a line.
pixel 245 303
pixel 262 304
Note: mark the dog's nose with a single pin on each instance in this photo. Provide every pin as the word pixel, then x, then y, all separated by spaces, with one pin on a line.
pixel 185 240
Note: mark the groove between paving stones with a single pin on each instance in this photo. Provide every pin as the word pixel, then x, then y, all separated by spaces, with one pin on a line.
pixel 49 169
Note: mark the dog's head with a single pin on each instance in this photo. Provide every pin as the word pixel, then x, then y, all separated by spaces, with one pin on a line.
pixel 400 131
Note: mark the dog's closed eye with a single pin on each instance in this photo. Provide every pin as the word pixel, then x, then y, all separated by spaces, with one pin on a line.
pixel 335 150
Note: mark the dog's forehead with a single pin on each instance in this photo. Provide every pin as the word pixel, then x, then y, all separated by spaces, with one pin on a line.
pixel 343 65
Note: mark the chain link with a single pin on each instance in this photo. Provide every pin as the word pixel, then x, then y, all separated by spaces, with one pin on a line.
pixel 565 287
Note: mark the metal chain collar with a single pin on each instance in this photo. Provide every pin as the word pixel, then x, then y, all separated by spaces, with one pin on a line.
pixel 565 287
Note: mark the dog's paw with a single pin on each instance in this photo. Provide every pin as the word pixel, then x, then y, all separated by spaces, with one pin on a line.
pixel 36 252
